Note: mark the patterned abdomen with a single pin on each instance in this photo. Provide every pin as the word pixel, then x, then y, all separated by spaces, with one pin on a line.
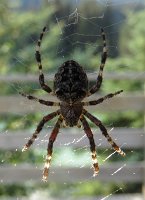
pixel 70 82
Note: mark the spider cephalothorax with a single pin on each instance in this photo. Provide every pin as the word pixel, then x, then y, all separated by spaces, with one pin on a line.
pixel 71 87
pixel 71 113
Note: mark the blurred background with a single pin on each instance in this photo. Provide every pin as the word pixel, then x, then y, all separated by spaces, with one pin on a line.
pixel 73 32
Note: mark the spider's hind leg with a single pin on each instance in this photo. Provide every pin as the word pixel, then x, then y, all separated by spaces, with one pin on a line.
pixel 39 128
pixel 92 144
pixel 104 132
pixel 50 147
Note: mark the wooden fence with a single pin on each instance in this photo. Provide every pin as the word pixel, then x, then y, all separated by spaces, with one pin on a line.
pixel 131 138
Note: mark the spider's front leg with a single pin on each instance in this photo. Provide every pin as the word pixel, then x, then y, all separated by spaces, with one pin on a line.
pixel 97 86
pixel 50 147
pixel 92 144
pixel 38 59
pixel 41 101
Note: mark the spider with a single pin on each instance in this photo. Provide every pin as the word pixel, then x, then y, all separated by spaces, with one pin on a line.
pixel 71 87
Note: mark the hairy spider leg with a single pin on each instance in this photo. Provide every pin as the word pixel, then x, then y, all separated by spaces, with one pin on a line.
pixel 38 59
pixel 92 144
pixel 41 101
pixel 97 86
pixel 39 128
pixel 50 148
pixel 104 132
pixel 100 100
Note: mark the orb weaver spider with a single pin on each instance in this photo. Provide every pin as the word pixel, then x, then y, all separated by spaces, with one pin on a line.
pixel 71 87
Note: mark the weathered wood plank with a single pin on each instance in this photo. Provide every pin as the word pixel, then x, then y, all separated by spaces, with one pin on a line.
pixel 134 196
pixel 19 105
pixel 25 78
pixel 128 137
pixel 128 173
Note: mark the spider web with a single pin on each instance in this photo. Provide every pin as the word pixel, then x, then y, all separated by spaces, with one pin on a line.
pixel 75 38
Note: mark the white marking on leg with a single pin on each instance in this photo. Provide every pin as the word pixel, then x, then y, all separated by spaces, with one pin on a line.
pixel 25 148
pixel 95 163
pixel 37 48
pixel 46 167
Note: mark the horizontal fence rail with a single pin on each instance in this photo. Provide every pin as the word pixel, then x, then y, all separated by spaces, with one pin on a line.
pixel 113 196
pixel 21 78
pixel 109 197
pixel 19 105
pixel 117 172
pixel 127 137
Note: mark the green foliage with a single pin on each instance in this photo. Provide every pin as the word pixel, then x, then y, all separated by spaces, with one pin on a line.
pixel 132 40
pixel 18 36
pixel 18 39
pixel 124 119
pixel 12 190
pixel 15 157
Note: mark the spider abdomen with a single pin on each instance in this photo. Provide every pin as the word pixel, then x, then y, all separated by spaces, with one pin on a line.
pixel 70 82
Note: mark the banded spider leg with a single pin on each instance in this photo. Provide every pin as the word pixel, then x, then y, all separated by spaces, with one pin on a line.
pixel 39 128
pixel 38 59
pixel 50 148
pixel 98 123
pixel 98 83
pixel 92 144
